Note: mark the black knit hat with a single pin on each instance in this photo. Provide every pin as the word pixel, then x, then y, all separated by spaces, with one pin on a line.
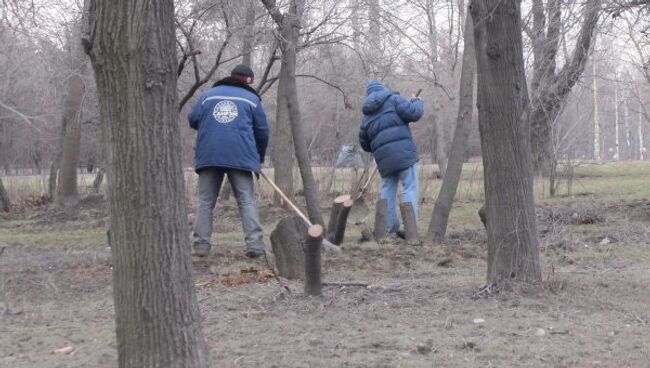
pixel 243 73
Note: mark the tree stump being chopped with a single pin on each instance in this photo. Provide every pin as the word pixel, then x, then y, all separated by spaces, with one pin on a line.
pixel 288 243
pixel 313 283
pixel 334 214
pixel 337 231
pixel 410 223
pixel 381 211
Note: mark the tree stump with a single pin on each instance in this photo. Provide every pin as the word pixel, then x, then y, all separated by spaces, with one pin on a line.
pixel 337 233
pixel 288 242
pixel 5 204
pixel 410 223
pixel 334 214
pixel 381 211
pixel 313 283
pixel 366 233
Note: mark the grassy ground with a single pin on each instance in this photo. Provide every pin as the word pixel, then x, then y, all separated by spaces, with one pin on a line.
pixel 421 309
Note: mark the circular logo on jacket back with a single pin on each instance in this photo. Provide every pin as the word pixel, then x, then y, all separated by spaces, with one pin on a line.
pixel 225 111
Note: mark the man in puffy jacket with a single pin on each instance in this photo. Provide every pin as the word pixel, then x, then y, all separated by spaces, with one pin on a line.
pixel 385 132
pixel 232 135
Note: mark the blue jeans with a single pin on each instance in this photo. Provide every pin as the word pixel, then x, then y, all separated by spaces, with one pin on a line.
pixel 410 191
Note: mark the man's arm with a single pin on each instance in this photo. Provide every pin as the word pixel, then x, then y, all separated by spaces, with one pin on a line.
pixel 194 117
pixel 260 130
pixel 364 142
pixel 409 111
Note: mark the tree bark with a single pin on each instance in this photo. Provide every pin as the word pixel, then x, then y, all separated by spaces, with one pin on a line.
pixel 158 323
pixel 410 223
pixel 438 145
pixel 67 192
pixel 337 233
pixel 597 147
pixel 5 203
pixel 334 214
pixel 248 40
pixel 313 283
pixel 282 149
pixel 287 241
pixel 381 211
pixel 99 178
pixel 445 200
pixel 513 252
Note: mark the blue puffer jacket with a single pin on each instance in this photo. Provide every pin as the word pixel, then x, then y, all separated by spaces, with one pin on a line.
pixel 385 131
pixel 232 128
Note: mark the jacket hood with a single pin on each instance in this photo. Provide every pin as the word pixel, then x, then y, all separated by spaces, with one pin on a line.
pixel 375 101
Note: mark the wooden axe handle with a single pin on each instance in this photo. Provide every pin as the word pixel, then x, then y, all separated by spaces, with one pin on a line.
pixel 286 199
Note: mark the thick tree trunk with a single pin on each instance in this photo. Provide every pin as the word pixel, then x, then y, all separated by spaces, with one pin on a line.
pixel 67 192
pixel 5 203
pixel 158 323
pixel 442 209
pixel 513 252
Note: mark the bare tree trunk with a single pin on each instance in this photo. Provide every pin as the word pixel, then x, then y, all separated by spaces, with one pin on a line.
pixel 617 138
pixel 513 252
pixel 5 203
pixel 158 324
pixel 282 149
pixel 249 35
pixel 597 148
pixel 67 192
pixel 54 170
pixel 438 145
pixel 444 202
pixel 640 134
pixel 289 24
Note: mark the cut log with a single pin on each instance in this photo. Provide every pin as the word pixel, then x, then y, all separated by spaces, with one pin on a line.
pixel 410 223
pixel 337 233
pixel 313 283
pixel 381 211
pixel 334 214
pixel 288 242
pixel 5 204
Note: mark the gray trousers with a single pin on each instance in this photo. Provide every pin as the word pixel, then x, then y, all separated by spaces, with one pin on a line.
pixel 243 187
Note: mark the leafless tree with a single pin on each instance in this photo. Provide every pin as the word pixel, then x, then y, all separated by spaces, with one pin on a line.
pixel 158 324
pixel 502 98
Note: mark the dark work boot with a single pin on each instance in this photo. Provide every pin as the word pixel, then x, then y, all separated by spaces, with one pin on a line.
pixel 201 249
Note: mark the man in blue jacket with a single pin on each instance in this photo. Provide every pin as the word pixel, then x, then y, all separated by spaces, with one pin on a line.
pixel 385 132
pixel 232 135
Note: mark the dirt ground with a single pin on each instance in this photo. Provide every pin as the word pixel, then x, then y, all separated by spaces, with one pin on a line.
pixel 424 306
